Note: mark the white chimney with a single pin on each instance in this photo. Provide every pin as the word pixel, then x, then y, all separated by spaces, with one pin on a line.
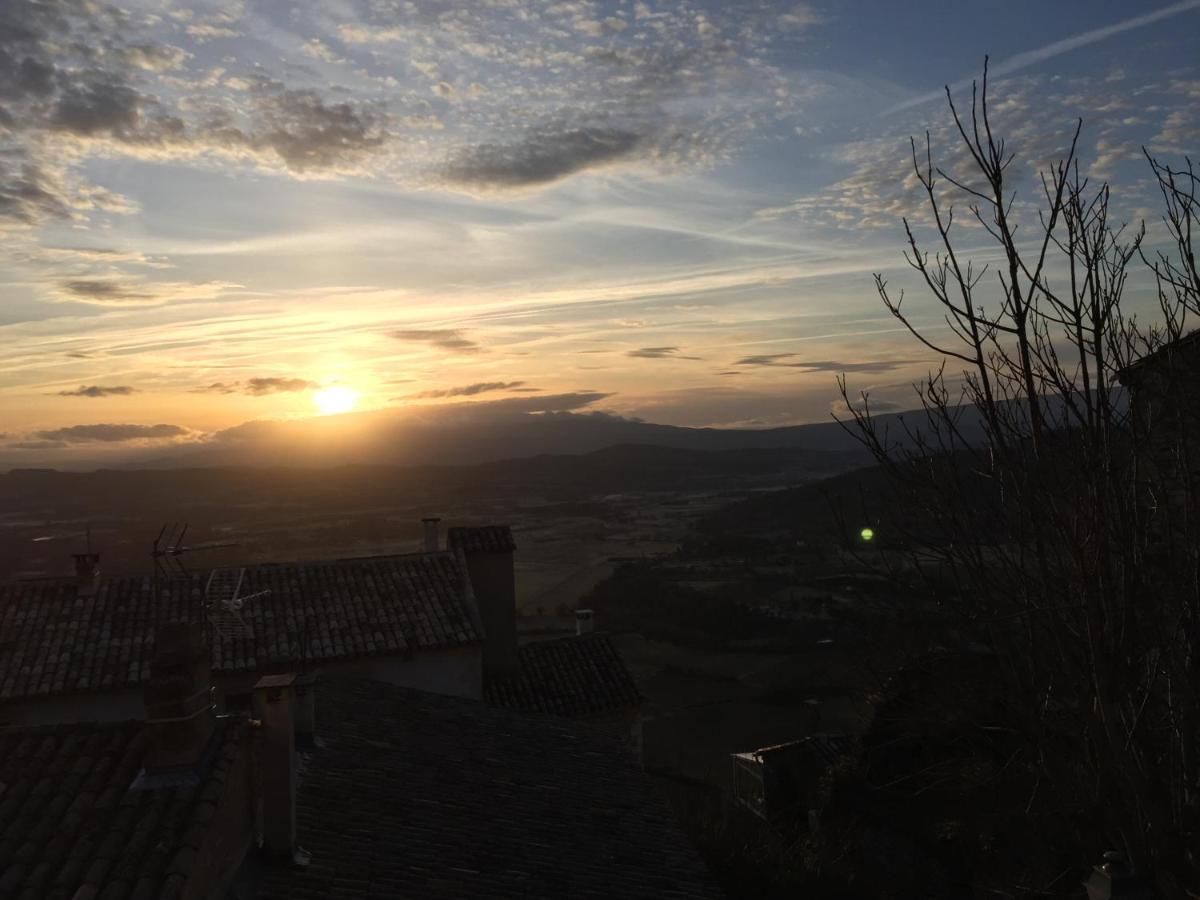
pixel 432 539
pixel 584 623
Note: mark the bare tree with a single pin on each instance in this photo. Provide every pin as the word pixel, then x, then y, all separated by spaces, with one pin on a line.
pixel 1056 480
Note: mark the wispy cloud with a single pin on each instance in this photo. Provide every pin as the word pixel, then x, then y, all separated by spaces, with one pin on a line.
pixel 789 361
pixel 256 387
pixel 1064 45
pixel 108 433
pixel 442 338
pixel 658 353
pixel 96 390
pixel 471 390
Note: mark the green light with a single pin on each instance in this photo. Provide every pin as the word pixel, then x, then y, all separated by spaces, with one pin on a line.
pixel 867 534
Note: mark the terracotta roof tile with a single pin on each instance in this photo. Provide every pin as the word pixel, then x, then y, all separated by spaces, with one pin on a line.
pixel 574 676
pixel 481 539
pixel 53 641
pixel 71 827
pixel 420 796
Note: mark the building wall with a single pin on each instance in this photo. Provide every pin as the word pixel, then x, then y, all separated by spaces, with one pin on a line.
pixel 231 832
pixel 110 706
pixel 623 724
pixel 456 671
pixel 495 589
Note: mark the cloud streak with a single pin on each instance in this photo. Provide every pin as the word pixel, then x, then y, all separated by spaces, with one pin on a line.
pixel 788 361
pixel 441 338
pixel 96 390
pixel 470 390
pixel 108 433
pixel 1057 48
pixel 658 353
pixel 257 387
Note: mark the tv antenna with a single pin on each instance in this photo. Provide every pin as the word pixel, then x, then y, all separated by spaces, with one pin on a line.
pixel 223 601
pixel 168 549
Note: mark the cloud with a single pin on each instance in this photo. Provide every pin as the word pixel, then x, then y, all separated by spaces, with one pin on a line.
pixel 781 360
pixel 115 292
pixel 106 293
pixel 30 195
pixel 570 90
pixel 36 445
pixel 107 433
pixel 442 338
pixel 86 79
pixel 95 390
pixel 508 408
pixel 471 390
pixel 257 387
pixel 309 133
pixel 839 407
pixel 541 157
pixel 801 16
pixel 658 353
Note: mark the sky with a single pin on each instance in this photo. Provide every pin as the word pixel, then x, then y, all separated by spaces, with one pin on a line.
pixel 214 214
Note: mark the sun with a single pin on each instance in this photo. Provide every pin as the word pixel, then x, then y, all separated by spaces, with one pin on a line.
pixel 335 399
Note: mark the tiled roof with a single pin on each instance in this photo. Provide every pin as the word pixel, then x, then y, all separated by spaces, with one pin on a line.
pixel 69 822
pixel 1180 352
pixel 575 676
pixel 483 539
pixel 54 641
pixel 422 796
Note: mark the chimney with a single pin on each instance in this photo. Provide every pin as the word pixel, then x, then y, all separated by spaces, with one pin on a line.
pixel 87 573
pixel 180 713
pixel 584 621
pixel 432 539
pixel 488 552
pixel 274 696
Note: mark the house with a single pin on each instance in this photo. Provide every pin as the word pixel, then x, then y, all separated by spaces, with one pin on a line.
pixel 407 793
pixel 1164 402
pixel 130 809
pixel 783 781
pixel 76 649
pixel 578 677
pixel 420 795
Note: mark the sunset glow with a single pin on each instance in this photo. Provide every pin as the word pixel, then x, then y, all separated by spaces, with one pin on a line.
pixel 332 401
pixel 652 210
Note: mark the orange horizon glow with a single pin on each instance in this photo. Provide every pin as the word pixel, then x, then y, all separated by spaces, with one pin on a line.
pixel 335 400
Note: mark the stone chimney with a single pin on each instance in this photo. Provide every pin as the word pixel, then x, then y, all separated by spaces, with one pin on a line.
pixel 180 714
pixel 585 622
pixel 432 538
pixel 87 573
pixel 488 552
pixel 274 698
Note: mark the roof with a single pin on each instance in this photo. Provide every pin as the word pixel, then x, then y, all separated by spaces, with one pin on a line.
pixel 575 676
pixel 53 641
pixel 1182 351
pixel 823 749
pixel 68 820
pixel 482 539
pixel 421 796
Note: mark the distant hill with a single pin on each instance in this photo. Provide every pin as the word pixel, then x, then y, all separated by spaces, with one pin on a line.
pixel 317 442
pixel 615 469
